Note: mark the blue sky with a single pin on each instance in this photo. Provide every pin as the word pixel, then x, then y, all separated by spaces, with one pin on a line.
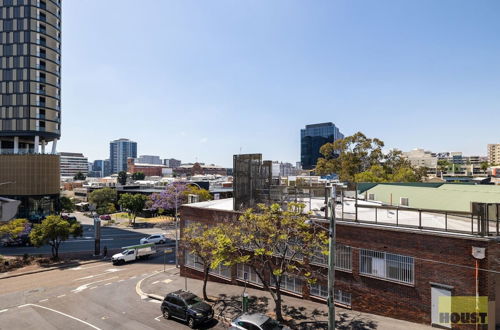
pixel 200 80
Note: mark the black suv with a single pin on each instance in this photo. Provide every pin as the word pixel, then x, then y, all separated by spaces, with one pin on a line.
pixel 185 306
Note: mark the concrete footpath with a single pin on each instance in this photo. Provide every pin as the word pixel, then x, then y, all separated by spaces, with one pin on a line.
pixel 301 314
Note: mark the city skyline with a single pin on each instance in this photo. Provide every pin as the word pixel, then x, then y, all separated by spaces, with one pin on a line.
pixel 414 74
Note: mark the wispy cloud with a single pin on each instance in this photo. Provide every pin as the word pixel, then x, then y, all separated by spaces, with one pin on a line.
pixel 204 140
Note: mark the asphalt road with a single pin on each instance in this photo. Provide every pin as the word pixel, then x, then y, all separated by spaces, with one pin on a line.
pixel 112 237
pixel 91 296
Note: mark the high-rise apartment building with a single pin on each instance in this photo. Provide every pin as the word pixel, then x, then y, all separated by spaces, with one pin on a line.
pixel 119 151
pixel 30 66
pixel 73 163
pixel 101 168
pixel 494 154
pixel 312 137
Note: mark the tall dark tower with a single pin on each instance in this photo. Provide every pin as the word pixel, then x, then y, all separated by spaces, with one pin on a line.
pixel 30 104
pixel 312 138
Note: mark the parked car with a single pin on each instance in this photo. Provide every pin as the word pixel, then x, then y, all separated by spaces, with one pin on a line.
pixel 256 321
pixel 155 238
pixel 18 241
pixel 105 217
pixel 187 307
pixel 68 217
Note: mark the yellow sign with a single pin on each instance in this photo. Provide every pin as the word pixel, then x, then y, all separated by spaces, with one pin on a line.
pixel 168 250
pixel 463 310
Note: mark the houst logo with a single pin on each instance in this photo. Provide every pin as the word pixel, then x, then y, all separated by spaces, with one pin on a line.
pixel 463 310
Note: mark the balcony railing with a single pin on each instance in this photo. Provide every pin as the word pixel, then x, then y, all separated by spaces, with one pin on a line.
pixel 41 67
pixel 40 104
pixel 41 79
pixel 41 91
pixel 42 55
pixel 41 42
pixel 42 18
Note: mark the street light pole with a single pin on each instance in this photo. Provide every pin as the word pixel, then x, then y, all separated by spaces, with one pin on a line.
pixel 331 259
pixel 176 230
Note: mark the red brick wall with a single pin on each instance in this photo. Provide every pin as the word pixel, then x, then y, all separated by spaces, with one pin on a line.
pixel 439 258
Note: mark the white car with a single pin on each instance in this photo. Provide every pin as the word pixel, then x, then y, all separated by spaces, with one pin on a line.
pixel 256 321
pixel 155 238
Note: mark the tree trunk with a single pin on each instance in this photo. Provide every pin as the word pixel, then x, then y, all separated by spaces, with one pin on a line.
pixel 205 280
pixel 277 302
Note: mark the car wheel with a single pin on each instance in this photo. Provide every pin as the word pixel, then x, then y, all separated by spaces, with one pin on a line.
pixel 162 242
pixel 166 314
pixel 191 322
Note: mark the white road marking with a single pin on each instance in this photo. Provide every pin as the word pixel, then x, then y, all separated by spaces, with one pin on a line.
pixel 156 318
pixel 85 286
pixel 64 314
pixel 121 280
pixel 108 284
pixel 63 295
pixel 144 274
pixel 133 277
pixel 155 282
pixel 167 281
pixel 83 268
pixel 92 288
pixel 3 310
pixel 155 301
pixel 43 300
pixel 106 272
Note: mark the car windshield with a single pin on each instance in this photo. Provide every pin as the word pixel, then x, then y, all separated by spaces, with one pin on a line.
pixel 271 324
pixel 125 252
pixel 192 300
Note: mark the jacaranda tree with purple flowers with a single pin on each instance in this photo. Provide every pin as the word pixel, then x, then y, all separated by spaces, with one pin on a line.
pixel 169 199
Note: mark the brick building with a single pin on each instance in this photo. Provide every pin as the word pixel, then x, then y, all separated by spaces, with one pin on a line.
pixel 392 269
pixel 147 169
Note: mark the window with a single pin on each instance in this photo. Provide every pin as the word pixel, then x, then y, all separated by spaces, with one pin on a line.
pixel 251 276
pixel 291 283
pixel 343 258
pixel 371 197
pixel 404 201
pixel 321 290
pixel 42 16
pixel 387 265
pixel 193 261
pixel 221 270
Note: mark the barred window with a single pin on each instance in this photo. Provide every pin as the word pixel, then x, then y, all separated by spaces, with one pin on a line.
pixel 193 261
pixel 221 270
pixel 290 283
pixel 321 290
pixel 343 258
pixel 251 275
pixel 387 265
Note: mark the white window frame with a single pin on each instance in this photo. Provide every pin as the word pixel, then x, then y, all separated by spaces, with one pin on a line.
pixel 343 258
pixel 193 261
pixel 290 283
pixel 387 266
pixel 371 196
pixel 222 271
pixel 321 291
pixel 241 269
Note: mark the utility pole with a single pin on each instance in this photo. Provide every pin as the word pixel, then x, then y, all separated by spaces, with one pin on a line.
pixel 331 258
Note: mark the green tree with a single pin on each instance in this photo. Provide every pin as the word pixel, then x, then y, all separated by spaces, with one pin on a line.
pixel 376 173
pixel 348 156
pixel 122 178
pixel 104 200
pixel 79 176
pixel 203 194
pixel 443 166
pixel 485 166
pixel 15 228
pixel 53 231
pixel 202 241
pixel 67 204
pixel 274 243
pixel 133 203
pixel 138 176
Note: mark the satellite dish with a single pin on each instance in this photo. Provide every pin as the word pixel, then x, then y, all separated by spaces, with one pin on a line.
pixel 478 252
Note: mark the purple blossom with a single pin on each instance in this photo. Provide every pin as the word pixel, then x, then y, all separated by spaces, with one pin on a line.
pixel 168 198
